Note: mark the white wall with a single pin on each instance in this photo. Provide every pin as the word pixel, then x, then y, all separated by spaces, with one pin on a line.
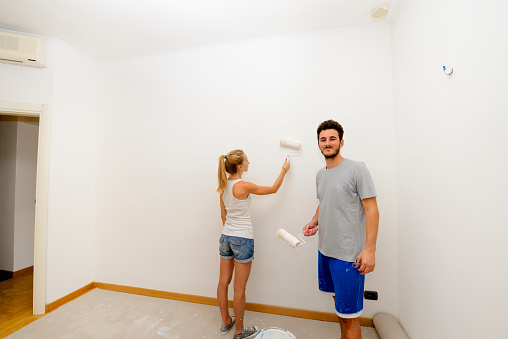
pixel 26 171
pixel 69 84
pixel 8 134
pixel 451 167
pixel 166 118
pixel 72 173
pixel 28 84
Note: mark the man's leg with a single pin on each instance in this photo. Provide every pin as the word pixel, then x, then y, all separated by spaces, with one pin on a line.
pixel 350 328
pixel 349 287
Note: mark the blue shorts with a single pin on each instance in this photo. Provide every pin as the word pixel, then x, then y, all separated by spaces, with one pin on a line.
pixel 241 249
pixel 343 280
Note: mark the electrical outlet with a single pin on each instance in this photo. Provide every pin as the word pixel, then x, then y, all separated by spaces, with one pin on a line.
pixel 370 295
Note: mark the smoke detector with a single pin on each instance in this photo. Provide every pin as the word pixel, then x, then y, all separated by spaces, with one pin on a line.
pixel 379 12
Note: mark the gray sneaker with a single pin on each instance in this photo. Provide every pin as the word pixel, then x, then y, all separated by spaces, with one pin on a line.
pixel 225 329
pixel 248 332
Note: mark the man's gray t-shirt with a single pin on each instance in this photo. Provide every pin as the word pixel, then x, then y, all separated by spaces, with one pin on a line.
pixel 342 221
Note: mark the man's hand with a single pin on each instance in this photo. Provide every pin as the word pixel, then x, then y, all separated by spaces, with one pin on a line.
pixel 310 229
pixel 366 261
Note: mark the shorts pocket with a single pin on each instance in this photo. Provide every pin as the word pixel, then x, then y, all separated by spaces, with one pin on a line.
pixel 236 241
pixel 237 245
pixel 224 248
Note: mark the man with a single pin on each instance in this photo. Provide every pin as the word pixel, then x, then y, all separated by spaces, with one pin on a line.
pixel 348 220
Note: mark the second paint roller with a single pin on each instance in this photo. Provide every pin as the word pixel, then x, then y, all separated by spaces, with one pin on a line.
pixel 290 239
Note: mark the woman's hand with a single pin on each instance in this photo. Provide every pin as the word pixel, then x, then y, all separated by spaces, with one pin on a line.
pixel 286 165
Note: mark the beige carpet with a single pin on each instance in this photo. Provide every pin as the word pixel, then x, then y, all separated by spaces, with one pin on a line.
pixel 107 314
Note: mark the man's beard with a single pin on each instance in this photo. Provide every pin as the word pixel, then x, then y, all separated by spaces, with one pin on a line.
pixel 332 155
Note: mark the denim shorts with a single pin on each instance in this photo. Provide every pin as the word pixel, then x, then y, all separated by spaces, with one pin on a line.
pixel 344 281
pixel 241 249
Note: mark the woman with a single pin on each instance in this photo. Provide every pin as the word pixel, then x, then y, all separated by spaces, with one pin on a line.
pixel 237 239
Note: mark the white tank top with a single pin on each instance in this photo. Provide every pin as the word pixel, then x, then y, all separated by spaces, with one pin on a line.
pixel 238 223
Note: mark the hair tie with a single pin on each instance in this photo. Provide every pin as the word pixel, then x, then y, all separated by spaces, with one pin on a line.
pixel 225 157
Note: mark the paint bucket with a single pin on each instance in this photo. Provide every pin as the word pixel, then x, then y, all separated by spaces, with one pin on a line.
pixel 274 333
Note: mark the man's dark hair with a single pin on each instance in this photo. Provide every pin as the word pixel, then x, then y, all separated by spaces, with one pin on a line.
pixel 330 124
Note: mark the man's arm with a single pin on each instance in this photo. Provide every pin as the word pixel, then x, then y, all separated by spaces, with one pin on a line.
pixel 367 257
pixel 311 228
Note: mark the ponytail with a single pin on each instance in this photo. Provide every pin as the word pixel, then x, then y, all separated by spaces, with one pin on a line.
pixel 228 164
pixel 223 179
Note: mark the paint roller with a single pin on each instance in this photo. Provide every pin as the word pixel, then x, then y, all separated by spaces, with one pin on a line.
pixel 291 144
pixel 290 239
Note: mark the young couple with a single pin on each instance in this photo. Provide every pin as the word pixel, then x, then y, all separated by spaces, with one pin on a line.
pixel 348 220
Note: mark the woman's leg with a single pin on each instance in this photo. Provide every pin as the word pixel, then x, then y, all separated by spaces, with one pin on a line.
pixel 226 273
pixel 242 271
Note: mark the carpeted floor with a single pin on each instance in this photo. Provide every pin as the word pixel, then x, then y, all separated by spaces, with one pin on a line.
pixel 111 315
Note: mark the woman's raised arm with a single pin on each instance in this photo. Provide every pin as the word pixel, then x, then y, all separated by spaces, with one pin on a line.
pixel 242 189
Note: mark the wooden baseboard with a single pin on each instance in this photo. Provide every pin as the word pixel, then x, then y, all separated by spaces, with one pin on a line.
pixel 5 275
pixel 23 271
pixel 277 310
pixel 64 300
pixel 300 313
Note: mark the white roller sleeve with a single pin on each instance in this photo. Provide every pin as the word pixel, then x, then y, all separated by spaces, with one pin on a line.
pixel 289 238
pixel 388 327
pixel 290 144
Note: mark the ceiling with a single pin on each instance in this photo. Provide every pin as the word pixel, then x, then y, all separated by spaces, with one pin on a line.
pixel 111 29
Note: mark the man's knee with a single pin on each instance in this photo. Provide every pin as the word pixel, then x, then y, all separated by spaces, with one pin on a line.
pixel 349 321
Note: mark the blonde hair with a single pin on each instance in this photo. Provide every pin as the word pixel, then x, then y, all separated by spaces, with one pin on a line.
pixel 228 164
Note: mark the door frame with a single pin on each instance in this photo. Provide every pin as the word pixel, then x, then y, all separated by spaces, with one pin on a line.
pixel 43 112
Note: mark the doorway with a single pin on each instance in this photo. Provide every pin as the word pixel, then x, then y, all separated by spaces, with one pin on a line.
pixel 43 112
pixel 18 166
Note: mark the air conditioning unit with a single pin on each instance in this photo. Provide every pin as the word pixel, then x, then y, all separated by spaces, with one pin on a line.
pixel 21 49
